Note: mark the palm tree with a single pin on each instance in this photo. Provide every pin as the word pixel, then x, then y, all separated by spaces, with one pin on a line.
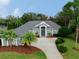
pixel 1 32
pixel 65 15
pixel 9 35
pixel 77 32
pixel 68 12
pixel 28 38
pixel 75 6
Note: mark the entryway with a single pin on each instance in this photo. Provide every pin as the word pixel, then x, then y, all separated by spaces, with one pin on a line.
pixel 43 31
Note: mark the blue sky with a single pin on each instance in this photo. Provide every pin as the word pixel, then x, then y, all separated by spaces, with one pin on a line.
pixel 18 7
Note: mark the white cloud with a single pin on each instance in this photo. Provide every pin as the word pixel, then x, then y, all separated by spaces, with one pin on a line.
pixel 4 3
pixel 3 7
pixel 3 12
pixel 16 12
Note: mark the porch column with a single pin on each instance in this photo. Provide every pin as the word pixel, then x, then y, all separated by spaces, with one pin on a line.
pixel 16 43
pixel 2 42
pixel 7 43
pixel 52 32
pixel 45 31
pixel 40 31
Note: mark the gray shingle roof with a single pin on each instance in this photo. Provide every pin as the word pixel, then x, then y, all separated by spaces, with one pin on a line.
pixel 29 25
pixel 53 25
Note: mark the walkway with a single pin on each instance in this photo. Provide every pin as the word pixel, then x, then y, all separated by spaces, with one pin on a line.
pixel 47 45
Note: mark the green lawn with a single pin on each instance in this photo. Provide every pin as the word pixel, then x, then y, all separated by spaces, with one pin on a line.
pixel 13 55
pixel 71 53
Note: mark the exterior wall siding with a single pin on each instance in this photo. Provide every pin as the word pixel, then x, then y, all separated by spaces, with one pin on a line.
pixel 18 42
pixel 49 30
pixel 36 31
pixel 55 31
pixel 4 42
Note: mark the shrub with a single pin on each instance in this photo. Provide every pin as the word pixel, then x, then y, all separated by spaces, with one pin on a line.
pixel 37 34
pixel 64 31
pixel 59 41
pixel 72 36
pixel 55 35
pixel 62 49
pixel 49 33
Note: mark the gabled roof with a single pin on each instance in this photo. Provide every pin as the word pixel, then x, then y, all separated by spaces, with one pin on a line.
pixel 29 25
pixel 42 23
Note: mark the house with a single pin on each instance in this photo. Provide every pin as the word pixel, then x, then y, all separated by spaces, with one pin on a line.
pixel 38 27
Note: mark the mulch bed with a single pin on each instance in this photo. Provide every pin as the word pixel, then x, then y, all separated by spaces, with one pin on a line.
pixel 20 49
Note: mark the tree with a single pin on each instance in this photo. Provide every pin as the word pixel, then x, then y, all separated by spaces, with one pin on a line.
pixel 18 22
pixel 1 32
pixel 65 15
pixel 72 24
pixel 41 16
pixel 74 6
pixel 76 10
pixel 12 22
pixel 33 16
pixel 64 32
pixel 28 38
pixel 28 16
pixel 76 18
pixel 9 35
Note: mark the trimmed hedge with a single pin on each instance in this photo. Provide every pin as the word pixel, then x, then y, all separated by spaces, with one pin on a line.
pixel 62 49
pixel 59 40
pixel 64 31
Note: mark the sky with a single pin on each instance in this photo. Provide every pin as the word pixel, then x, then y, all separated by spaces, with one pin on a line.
pixel 18 7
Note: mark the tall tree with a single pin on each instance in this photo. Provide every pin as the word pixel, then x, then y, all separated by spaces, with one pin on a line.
pixel 65 15
pixel 29 17
pixel 41 16
pixel 76 18
pixel 76 10
pixel 33 16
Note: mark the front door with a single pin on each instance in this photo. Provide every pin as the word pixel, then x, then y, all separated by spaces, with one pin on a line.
pixel 42 31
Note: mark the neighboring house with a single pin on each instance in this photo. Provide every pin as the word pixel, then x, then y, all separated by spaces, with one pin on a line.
pixel 41 28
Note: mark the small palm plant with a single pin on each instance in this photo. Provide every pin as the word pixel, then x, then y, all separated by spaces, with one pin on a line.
pixel 28 38
pixel 9 35
pixel 49 34
pixel 1 32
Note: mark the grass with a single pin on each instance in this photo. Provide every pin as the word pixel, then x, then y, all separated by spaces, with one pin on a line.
pixel 13 55
pixel 71 53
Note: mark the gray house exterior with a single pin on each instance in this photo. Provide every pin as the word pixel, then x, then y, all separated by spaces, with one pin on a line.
pixel 38 27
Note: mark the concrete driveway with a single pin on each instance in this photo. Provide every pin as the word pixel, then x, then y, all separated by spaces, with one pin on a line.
pixel 47 45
